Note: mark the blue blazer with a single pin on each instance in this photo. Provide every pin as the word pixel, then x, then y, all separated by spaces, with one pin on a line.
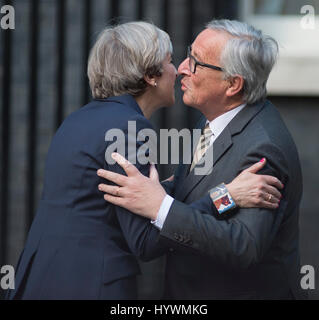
pixel 80 246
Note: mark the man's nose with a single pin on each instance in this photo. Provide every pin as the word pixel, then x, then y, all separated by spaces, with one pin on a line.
pixel 183 68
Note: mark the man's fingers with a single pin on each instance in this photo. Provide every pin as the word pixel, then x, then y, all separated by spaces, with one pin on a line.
pixel 112 176
pixel 115 200
pixel 153 173
pixel 257 166
pixel 113 190
pixel 171 178
pixel 125 164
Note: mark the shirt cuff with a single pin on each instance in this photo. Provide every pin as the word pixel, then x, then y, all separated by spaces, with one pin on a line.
pixel 163 212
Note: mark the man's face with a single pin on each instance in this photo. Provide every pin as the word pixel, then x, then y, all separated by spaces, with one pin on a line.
pixel 205 88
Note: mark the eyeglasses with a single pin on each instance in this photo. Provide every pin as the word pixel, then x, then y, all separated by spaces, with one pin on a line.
pixel 193 62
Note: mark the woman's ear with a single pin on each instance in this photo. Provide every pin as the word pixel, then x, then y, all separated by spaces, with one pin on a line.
pixel 235 85
pixel 150 80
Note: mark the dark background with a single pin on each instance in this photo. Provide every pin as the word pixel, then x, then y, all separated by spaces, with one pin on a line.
pixel 43 79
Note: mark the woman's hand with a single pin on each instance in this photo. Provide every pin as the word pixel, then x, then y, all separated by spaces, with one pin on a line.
pixel 253 190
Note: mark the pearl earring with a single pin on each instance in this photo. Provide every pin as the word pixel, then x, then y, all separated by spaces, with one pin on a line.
pixel 155 84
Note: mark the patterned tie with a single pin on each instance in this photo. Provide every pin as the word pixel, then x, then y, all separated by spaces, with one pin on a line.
pixel 202 146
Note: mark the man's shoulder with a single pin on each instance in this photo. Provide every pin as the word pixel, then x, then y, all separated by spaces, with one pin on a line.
pixel 266 124
pixel 261 128
pixel 270 122
pixel 270 116
pixel 267 133
pixel 252 125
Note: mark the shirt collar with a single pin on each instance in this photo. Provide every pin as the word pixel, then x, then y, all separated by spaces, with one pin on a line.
pixel 220 123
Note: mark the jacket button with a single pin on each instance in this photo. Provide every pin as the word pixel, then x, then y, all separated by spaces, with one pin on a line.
pixel 171 249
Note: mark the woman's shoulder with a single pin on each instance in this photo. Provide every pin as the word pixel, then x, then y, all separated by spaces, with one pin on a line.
pixel 122 109
pixel 99 116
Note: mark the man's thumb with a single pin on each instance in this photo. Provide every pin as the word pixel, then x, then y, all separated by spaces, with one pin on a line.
pixel 257 166
pixel 153 172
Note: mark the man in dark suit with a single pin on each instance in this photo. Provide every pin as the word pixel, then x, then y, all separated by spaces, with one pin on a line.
pixel 246 253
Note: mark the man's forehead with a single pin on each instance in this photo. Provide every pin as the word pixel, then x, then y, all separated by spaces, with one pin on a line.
pixel 209 41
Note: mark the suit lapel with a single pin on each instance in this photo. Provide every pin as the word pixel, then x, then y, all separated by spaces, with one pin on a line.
pixel 183 169
pixel 215 152
pixel 220 146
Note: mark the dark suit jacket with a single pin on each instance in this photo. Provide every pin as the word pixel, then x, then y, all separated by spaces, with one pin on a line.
pixel 79 246
pixel 254 253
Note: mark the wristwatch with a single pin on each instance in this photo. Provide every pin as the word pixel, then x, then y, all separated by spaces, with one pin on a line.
pixel 222 199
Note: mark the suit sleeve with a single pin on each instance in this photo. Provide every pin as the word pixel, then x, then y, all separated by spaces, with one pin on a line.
pixel 141 236
pixel 168 186
pixel 242 240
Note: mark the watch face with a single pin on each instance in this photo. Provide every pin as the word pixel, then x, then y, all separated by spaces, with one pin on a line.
pixel 224 203
pixel 222 200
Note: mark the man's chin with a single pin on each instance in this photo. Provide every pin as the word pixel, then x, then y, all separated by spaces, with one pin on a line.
pixel 184 98
pixel 186 101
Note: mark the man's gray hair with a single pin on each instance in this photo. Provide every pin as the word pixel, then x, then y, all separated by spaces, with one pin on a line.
pixel 123 55
pixel 250 54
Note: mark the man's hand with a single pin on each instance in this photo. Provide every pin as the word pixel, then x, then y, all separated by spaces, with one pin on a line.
pixel 250 190
pixel 136 193
pixel 144 196
pixel 170 179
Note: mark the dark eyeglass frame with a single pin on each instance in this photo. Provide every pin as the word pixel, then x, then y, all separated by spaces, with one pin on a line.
pixel 206 65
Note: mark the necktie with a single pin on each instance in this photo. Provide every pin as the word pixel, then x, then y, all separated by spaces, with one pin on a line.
pixel 202 146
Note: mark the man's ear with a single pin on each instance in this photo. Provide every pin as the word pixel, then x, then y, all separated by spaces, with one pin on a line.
pixel 150 80
pixel 235 85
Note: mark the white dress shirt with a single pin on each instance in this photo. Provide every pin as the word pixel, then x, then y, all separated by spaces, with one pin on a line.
pixel 217 126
